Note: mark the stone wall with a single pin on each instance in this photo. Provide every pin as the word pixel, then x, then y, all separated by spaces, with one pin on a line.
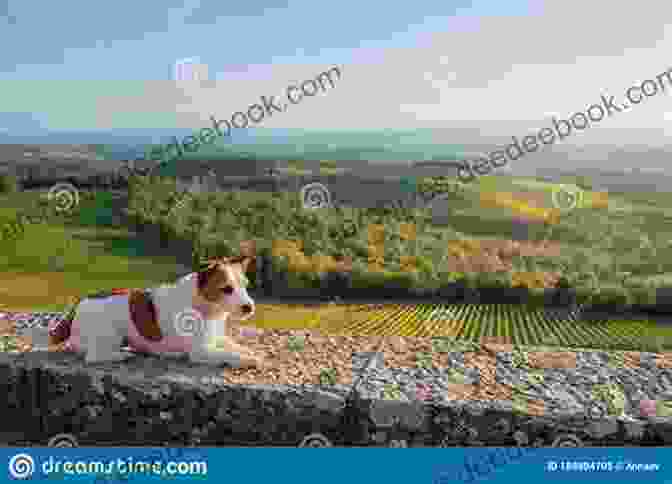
pixel 152 401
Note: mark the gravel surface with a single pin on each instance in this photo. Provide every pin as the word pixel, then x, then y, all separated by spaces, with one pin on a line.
pixel 543 382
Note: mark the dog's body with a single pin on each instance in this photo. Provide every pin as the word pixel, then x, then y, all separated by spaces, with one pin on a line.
pixel 188 317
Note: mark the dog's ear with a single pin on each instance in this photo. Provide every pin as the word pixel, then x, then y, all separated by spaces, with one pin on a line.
pixel 204 276
pixel 243 260
pixel 245 263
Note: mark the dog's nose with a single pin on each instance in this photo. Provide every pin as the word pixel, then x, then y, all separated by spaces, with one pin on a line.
pixel 246 308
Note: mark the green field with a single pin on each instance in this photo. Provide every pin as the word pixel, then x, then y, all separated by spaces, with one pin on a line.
pixel 69 257
pixel 620 245
pixel 514 324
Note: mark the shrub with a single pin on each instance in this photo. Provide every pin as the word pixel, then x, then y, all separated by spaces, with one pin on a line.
pixel 401 280
pixel 296 342
pixel 423 359
pixel 494 280
pixel 654 344
pixel 328 376
pixel 536 296
pixel 425 264
pixel 299 280
pixel 455 376
pixel 584 295
pixel 451 277
pixel 613 396
pixel 9 184
pixel 643 296
pixel 519 358
pixel 392 391
pixel 611 295
pixel 443 344
pixel 368 280
pixel 8 343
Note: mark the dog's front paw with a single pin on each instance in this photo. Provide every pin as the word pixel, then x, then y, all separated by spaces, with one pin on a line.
pixel 215 357
pixel 247 357
pixel 219 357
pixel 115 357
pixel 220 342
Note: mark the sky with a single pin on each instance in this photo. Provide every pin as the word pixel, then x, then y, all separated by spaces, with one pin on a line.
pixel 497 68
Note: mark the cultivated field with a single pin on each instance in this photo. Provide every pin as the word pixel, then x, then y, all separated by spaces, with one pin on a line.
pixel 608 244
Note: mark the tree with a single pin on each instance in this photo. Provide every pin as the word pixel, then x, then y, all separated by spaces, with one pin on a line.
pixel 8 183
pixel 584 182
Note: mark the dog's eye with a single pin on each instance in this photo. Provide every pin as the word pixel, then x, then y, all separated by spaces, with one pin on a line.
pixel 227 290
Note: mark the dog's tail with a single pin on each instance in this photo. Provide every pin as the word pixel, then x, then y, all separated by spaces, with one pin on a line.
pixel 60 332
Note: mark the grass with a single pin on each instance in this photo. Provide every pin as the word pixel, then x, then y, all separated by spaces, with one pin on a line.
pixel 284 316
pixel 58 260
pixel 61 259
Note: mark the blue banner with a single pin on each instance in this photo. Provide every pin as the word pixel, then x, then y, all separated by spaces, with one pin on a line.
pixel 340 465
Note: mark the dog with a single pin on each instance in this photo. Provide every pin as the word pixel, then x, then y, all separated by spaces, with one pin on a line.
pixel 188 317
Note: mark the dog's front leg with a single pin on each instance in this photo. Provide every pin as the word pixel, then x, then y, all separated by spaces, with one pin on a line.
pixel 105 356
pixel 205 350
pixel 219 356
pixel 215 357
pixel 104 346
pixel 219 332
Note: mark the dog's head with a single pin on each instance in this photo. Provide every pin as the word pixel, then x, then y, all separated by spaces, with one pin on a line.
pixel 222 285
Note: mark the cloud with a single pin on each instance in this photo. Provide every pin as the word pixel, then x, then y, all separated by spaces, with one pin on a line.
pixel 495 75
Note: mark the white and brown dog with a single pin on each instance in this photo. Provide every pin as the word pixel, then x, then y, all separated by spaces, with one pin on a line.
pixel 189 317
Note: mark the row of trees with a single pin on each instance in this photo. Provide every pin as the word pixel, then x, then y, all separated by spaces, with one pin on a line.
pixel 216 223
pixel 37 177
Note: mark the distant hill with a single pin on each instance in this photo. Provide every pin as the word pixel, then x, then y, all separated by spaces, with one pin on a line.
pixel 384 145
pixel 251 152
